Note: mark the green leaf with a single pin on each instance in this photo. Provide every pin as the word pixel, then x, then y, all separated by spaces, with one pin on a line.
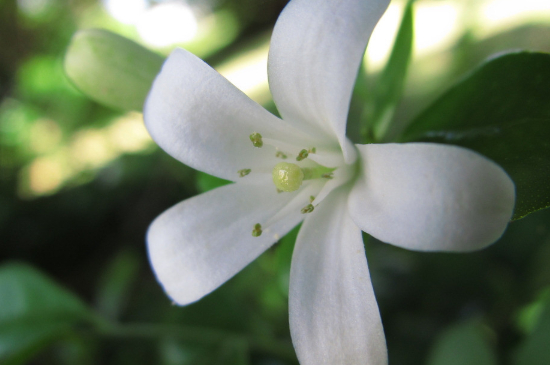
pixel 206 182
pixel 389 86
pixel 34 311
pixel 116 283
pixel 502 110
pixel 463 344
pixel 535 350
pixel 111 69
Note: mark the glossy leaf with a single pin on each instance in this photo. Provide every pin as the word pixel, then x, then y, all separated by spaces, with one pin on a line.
pixel 502 111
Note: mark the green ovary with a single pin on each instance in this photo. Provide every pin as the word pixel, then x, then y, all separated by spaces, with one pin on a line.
pixel 288 176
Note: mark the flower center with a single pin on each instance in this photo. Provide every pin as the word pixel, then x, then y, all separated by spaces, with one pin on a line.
pixel 290 176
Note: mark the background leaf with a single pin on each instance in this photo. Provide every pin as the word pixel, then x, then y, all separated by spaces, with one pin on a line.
pixel 535 350
pixel 34 311
pixel 463 344
pixel 502 111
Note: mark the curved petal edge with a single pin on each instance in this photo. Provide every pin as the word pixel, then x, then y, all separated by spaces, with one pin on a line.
pixel 431 197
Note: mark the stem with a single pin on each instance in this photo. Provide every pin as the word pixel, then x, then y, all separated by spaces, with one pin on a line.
pixel 281 349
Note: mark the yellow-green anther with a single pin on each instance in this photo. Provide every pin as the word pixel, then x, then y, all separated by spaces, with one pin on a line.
pixel 280 155
pixel 311 199
pixel 257 231
pixel 256 139
pixel 244 172
pixel 287 176
pixel 307 209
pixel 313 150
pixel 303 154
pixel 327 176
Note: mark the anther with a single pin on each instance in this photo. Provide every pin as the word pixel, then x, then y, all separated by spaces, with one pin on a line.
pixel 311 199
pixel 302 155
pixel 256 139
pixel 244 172
pixel 313 150
pixel 329 176
pixel 307 209
pixel 280 155
pixel 257 231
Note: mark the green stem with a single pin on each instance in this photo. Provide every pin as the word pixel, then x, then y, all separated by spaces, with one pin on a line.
pixel 281 349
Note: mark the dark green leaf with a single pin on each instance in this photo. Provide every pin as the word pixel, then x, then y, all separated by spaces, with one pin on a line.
pixel 463 344
pixel 34 311
pixel 116 283
pixel 502 111
pixel 390 84
pixel 505 89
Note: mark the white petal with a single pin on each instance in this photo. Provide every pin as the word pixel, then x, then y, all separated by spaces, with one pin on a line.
pixel 334 318
pixel 316 49
pixel 200 118
pixel 431 197
pixel 200 243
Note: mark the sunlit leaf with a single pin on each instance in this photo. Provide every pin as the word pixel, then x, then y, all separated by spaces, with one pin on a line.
pixel 389 85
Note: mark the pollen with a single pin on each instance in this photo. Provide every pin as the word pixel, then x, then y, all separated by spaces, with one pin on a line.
pixel 244 172
pixel 279 154
pixel 287 176
pixel 257 231
pixel 256 139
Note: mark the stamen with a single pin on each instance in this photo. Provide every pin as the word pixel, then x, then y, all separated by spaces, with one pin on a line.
pixel 302 155
pixel 256 139
pixel 313 150
pixel 257 231
pixel 307 209
pixel 244 172
pixel 280 155
pixel 329 176
pixel 311 199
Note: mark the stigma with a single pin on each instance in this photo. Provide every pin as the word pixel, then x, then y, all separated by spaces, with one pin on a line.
pixel 287 176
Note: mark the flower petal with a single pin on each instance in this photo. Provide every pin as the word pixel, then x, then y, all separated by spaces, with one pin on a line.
pixel 316 49
pixel 200 243
pixel 200 118
pixel 431 197
pixel 334 318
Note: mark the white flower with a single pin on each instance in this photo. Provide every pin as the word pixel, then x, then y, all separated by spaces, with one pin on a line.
pixel 418 196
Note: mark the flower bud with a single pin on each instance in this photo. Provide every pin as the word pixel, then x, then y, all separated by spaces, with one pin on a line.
pixel 111 69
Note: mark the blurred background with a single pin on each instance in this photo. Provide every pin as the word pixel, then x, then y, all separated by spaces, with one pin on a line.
pixel 80 183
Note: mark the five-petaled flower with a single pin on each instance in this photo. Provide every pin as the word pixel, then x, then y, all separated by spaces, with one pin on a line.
pixel 419 196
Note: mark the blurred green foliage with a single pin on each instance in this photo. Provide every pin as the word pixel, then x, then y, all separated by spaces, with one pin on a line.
pixel 79 184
